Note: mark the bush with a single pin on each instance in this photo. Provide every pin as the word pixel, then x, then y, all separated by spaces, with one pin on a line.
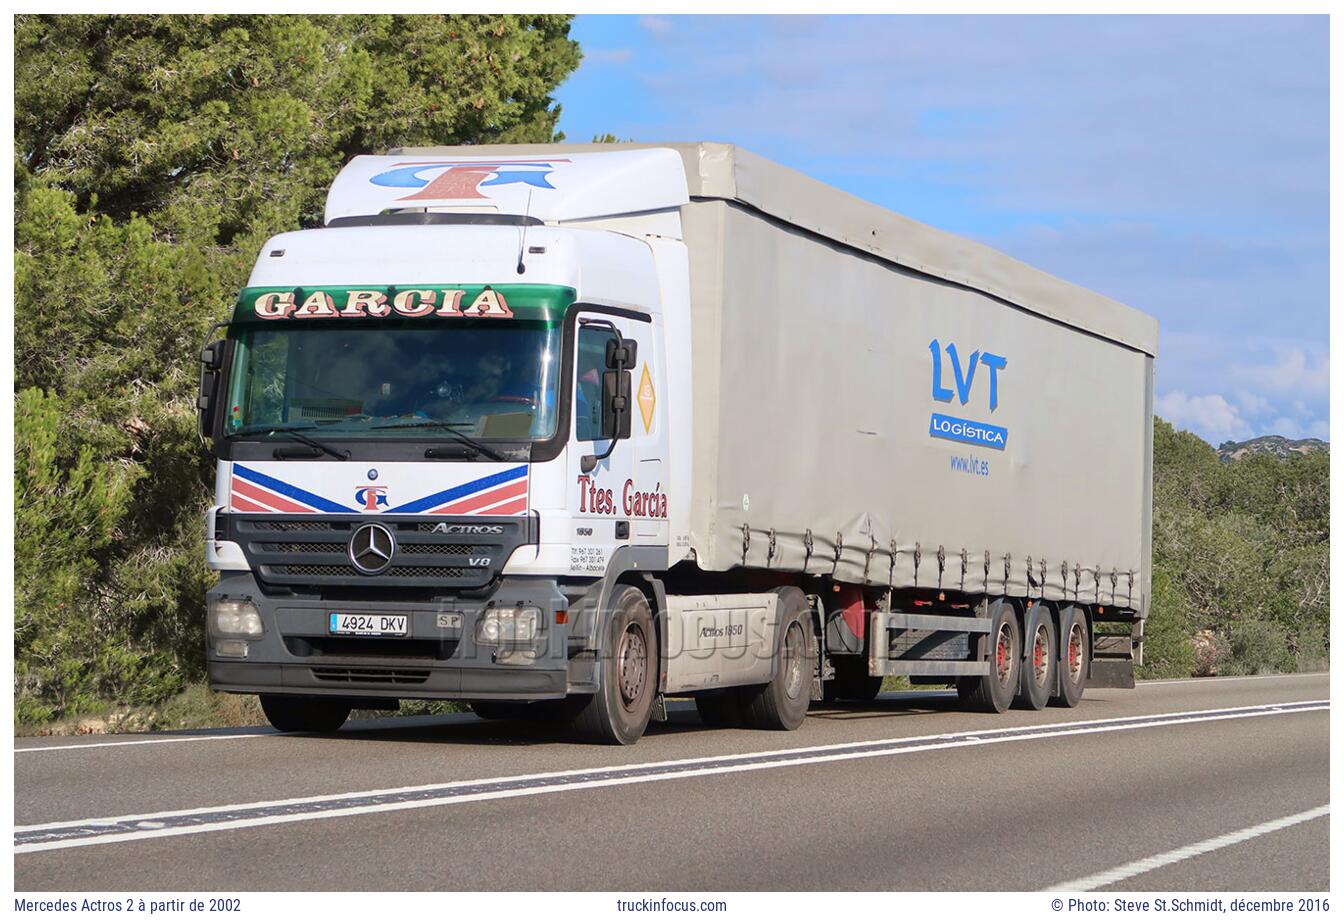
pixel 1257 647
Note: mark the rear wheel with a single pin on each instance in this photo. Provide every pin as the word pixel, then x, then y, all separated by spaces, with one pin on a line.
pixel 852 681
pixel 994 692
pixel 628 674
pixel 781 705
pixel 1040 658
pixel 1074 653
pixel 305 714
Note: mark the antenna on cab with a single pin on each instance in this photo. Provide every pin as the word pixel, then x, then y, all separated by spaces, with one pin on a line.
pixel 522 237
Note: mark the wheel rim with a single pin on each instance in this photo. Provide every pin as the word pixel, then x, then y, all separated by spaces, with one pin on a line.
pixel 1003 654
pixel 793 661
pixel 1075 652
pixel 631 664
pixel 1040 655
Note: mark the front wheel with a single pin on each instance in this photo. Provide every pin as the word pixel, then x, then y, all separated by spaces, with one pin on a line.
pixel 305 714
pixel 621 708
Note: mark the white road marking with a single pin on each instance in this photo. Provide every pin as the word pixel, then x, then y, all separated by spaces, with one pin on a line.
pixel 289 810
pixel 1140 866
pixel 107 744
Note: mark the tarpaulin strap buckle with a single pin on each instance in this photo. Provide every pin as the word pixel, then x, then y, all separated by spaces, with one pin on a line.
pixel 963 568
pixel 1008 569
pixel 770 550
pixel 917 556
pixel 891 567
pixel 807 546
pixel 942 563
pixel 1130 601
pixel 868 559
pixel 1042 577
pixel 746 542
pixel 1077 574
pixel 1096 583
pixel 839 545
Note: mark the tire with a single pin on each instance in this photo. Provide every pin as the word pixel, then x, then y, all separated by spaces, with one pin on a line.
pixel 1040 659
pixel 720 708
pixel 852 681
pixel 994 692
pixel 305 714
pixel 1075 652
pixel 621 708
pixel 781 705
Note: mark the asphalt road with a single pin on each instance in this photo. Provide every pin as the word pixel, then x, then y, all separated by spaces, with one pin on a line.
pixel 1219 784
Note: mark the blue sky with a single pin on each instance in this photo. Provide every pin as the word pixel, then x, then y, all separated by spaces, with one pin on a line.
pixel 1176 163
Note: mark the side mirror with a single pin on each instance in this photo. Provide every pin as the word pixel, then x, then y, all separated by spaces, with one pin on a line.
pixel 212 361
pixel 621 353
pixel 616 404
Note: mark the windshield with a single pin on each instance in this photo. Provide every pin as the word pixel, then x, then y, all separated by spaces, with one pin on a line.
pixel 490 379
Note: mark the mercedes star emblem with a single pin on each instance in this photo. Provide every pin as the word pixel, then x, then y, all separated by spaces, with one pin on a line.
pixel 371 549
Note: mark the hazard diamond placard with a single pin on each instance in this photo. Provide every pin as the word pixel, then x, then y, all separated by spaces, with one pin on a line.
pixel 646 398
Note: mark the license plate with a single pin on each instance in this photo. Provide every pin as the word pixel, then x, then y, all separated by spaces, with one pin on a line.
pixel 366 624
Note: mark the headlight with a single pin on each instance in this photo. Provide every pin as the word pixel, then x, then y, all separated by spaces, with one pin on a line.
pixel 233 619
pixel 508 625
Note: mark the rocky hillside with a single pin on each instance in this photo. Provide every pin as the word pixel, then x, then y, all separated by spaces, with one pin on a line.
pixel 1270 444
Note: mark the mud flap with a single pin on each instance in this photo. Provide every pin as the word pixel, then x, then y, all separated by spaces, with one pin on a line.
pixel 1112 672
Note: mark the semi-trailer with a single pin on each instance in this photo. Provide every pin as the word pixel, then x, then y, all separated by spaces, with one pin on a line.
pixel 564 430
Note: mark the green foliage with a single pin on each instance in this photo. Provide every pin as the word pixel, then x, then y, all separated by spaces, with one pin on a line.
pixel 1240 549
pixel 155 155
pixel 1168 650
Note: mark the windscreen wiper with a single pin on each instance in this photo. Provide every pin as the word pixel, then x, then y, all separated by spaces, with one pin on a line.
pixel 451 428
pixel 292 432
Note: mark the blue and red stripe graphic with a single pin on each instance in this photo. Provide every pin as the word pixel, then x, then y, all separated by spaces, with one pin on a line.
pixel 502 493
pixel 499 493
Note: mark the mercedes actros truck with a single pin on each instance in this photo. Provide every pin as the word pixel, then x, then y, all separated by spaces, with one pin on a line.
pixel 563 431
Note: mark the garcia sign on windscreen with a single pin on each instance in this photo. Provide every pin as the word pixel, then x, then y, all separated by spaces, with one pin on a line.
pixel 964 430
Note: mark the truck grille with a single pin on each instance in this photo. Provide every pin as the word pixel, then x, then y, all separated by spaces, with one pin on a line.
pixel 337 675
pixel 318 553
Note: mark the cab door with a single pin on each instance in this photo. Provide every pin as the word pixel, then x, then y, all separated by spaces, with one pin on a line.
pixel 622 500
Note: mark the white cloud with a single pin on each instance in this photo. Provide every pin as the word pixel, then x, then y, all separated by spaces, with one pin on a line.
pixel 656 25
pixel 1210 416
pixel 608 55
pixel 1294 373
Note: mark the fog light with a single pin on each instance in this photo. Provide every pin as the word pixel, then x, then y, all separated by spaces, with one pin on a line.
pixel 233 619
pixel 231 648
pixel 508 625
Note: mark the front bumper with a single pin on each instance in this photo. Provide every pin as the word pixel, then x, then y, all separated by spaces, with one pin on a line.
pixel 438 657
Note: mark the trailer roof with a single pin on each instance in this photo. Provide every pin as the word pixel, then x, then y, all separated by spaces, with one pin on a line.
pixel 727 172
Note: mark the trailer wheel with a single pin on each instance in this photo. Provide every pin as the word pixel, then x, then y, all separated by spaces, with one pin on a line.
pixel 305 714
pixel 1075 652
pixel 628 674
pixel 781 705
pixel 1040 658
pixel 852 681
pixel 994 692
